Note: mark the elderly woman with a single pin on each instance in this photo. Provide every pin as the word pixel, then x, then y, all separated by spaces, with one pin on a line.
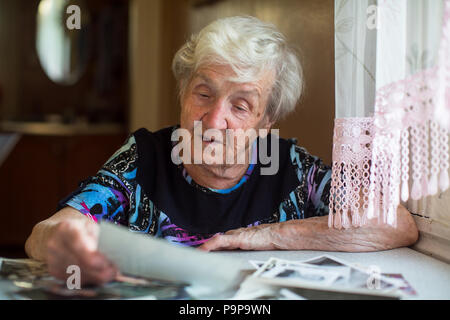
pixel 237 73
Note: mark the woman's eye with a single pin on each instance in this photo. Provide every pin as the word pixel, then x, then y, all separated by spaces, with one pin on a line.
pixel 202 95
pixel 239 108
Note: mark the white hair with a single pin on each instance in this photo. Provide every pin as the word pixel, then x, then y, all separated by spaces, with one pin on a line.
pixel 252 48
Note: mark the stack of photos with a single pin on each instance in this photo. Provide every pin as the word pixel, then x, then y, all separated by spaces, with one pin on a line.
pixel 323 277
pixel 30 281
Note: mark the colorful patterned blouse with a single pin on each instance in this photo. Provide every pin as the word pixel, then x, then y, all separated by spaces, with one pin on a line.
pixel 119 194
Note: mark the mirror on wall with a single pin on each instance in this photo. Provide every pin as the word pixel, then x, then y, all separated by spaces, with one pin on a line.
pixel 62 39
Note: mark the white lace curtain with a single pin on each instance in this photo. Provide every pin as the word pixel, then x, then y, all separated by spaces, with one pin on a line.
pixel 392 121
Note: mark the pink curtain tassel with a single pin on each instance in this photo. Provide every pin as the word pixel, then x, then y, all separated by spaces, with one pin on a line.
pixel 443 180
pixel 432 185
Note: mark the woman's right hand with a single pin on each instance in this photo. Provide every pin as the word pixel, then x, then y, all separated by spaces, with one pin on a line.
pixel 74 242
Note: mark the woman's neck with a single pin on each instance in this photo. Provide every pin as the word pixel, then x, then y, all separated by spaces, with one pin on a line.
pixel 216 176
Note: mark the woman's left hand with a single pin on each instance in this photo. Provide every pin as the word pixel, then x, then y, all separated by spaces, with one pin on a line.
pixel 262 237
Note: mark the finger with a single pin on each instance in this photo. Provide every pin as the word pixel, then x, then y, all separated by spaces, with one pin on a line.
pixel 99 277
pixel 95 268
pixel 76 243
pixel 79 239
pixel 58 259
pixel 87 276
pixel 208 244
pixel 211 244
pixel 95 261
pixel 93 230
pixel 68 248
pixel 222 242
pixel 59 255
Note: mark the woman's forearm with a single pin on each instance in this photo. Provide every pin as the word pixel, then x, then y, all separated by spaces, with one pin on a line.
pixel 314 234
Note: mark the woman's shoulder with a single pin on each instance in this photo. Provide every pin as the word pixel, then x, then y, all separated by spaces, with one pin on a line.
pixel 143 135
pixel 127 148
pixel 138 143
pixel 123 163
pixel 303 160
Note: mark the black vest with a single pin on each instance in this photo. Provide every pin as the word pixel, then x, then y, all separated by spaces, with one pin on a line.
pixel 192 209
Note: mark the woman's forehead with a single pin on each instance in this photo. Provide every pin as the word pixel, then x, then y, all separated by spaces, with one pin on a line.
pixel 218 75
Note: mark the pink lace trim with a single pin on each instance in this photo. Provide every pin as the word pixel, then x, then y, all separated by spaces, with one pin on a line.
pixel 350 179
pixel 375 160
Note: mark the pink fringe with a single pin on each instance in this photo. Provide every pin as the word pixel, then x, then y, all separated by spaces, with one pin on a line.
pixel 400 153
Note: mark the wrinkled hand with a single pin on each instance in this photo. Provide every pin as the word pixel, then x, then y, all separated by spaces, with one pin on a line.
pixel 75 243
pixel 262 237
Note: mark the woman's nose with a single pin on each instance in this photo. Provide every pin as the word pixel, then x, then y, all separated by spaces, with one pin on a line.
pixel 216 116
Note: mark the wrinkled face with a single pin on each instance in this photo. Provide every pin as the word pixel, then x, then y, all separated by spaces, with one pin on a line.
pixel 221 104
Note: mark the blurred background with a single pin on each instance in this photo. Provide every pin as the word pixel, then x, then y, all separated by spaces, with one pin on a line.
pixel 70 96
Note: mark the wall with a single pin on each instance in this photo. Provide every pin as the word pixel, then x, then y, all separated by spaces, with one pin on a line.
pixel 157 30
pixel 9 59
pixel 145 30
pixel 432 216
pixel 40 171
pixel 101 94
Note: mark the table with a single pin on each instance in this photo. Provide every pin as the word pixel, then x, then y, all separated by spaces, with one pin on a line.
pixel 427 275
